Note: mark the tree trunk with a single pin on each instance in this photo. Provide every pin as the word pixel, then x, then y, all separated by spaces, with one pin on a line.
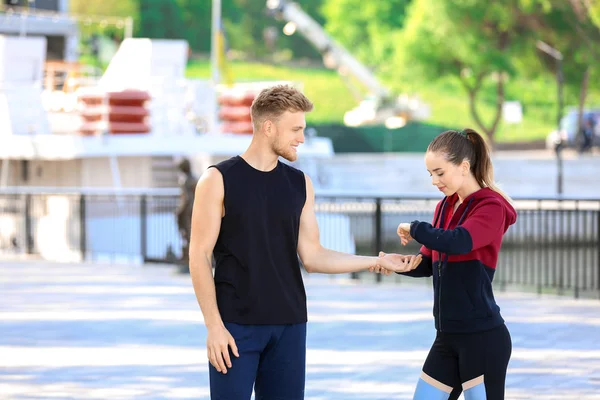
pixel 582 97
pixel 499 102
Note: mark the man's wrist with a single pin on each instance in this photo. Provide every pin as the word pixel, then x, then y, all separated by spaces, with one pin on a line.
pixel 213 322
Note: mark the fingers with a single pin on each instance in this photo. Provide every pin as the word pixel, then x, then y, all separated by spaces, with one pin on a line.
pixel 225 352
pixel 213 359
pixel 219 356
pixel 233 346
pixel 417 261
pixel 219 359
pixel 404 233
pixel 399 231
pixel 379 269
pixel 404 237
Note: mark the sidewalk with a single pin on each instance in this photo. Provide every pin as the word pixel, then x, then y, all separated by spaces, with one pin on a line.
pixel 124 332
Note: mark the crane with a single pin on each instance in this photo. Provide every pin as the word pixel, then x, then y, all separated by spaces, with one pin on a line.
pixel 380 106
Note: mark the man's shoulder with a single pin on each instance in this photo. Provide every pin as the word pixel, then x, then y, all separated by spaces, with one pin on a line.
pixel 292 170
pixel 226 165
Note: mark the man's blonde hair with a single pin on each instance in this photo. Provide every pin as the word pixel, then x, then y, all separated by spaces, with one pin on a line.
pixel 272 102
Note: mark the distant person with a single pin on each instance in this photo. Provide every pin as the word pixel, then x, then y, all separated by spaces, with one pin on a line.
pixel 460 249
pixel 587 134
pixel 256 214
pixel 187 189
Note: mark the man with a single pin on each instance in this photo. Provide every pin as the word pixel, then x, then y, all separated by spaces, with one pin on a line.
pixel 256 214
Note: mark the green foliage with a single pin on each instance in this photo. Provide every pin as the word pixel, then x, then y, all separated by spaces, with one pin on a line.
pixel 196 18
pixel 105 8
pixel 448 37
pixel 476 41
pixel 368 28
pixel 160 19
pixel 595 13
pixel 245 22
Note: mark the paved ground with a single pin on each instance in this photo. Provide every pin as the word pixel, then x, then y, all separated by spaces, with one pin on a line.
pixel 121 332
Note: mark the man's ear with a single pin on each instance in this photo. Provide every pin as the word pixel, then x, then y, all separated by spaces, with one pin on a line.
pixel 268 128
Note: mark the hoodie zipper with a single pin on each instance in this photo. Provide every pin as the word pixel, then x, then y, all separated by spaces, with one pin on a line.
pixel 441 225
pixel 440 293
pixel 441 256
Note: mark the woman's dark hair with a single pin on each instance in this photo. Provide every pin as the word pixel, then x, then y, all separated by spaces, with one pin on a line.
pixel 468 145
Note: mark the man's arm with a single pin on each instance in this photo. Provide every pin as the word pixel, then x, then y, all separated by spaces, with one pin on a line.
pixel 315 257
pixel 206 223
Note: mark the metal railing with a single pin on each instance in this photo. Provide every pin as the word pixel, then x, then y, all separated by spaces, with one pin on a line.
pixel 553 247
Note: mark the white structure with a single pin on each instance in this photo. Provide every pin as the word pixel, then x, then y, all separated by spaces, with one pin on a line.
pixel 48 19
pixel 41 146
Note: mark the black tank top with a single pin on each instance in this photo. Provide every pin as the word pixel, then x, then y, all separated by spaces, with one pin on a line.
pixel 257 274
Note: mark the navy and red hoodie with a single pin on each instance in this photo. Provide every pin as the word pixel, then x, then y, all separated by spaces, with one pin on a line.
pixel 461 250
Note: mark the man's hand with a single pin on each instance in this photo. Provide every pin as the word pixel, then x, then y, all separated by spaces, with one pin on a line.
pixel 218 342
pixel 404 233
pixel 397 262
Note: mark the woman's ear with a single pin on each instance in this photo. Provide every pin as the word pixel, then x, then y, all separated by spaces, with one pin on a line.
pixel 465 167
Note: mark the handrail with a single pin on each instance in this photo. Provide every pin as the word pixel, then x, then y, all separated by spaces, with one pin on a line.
pixel 321 193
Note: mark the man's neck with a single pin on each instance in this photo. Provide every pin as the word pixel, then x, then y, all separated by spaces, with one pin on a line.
pixel 260 157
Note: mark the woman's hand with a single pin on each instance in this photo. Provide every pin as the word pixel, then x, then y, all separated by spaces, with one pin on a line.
pixel 388 263
pixel 404 233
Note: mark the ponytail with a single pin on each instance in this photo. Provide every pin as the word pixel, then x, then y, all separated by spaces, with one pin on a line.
pixel 481 166
pixel 470 145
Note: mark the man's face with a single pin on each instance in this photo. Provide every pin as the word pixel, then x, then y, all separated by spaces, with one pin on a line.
pixel 289 134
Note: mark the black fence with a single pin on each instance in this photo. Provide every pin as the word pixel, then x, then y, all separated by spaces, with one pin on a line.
pixel 553 247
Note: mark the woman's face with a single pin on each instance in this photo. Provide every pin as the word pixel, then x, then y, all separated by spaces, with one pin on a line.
pixel 446 176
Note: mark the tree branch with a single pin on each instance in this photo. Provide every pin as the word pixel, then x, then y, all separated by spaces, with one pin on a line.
pixel 473 99
pixel 591 43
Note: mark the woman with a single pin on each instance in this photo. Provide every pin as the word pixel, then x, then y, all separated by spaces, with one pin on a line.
pixel 460 249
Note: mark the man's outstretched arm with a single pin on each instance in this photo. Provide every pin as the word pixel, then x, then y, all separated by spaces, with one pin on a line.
pixel 315 257
pixel 206 223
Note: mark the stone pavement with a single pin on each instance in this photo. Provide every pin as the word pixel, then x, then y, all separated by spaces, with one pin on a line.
pixel 124 332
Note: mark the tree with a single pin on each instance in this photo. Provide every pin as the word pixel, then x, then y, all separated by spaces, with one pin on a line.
pixel 196 23
pixel 161 20
pixel 572 27
pixel 476 41
pixel 245 22
pixel 586 25
pixel 107 8
pixel 368 28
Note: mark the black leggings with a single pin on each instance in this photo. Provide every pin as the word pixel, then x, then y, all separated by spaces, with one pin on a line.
pixel 473 362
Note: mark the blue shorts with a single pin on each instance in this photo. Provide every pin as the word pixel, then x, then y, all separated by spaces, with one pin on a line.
pixel 272 361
